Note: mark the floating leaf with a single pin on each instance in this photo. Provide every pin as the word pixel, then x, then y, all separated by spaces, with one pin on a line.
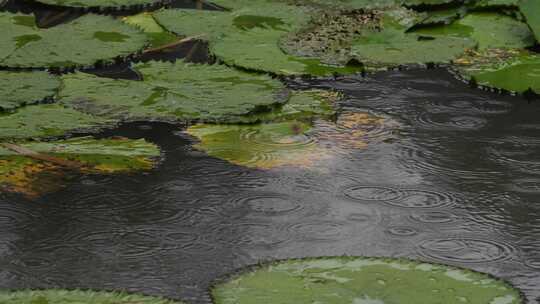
pixel 490 30
pixel 362 280
pixel 530 9
pixel 157 35
pixel 495 3
pixel 428 2
pixel 102 3
pixel 443 16
pixel 31 173
pixel 174 91
pixel 23 88
pixel 92 39
pixel 292 143
pixel 511 70
pixel 250 37
pixel 47 120
pixel 393 46
pixel 57 296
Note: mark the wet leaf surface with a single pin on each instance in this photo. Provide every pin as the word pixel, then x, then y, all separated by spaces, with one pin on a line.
pixel 58 296
pixel 42 170
pixel 93 39
pixel 175 91
pixel 530 9
pixel 362 281
pixel 23 88
pixel 101 3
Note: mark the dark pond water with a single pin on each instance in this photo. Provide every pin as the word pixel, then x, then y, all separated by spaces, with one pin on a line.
pixel 459 184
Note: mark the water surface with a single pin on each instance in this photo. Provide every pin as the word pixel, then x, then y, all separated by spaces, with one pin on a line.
pixel 459 184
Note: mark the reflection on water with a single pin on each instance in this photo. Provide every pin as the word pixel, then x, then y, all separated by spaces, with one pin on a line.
pixel 459 184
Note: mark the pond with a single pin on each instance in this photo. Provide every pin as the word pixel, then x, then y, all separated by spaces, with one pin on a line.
pixel 457 181
pixel 135 159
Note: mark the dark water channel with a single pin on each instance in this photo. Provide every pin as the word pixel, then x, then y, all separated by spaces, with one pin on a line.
pixel 459 184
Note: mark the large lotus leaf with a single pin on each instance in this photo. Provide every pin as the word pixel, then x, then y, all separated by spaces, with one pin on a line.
pixel 443 16
pixel 101 3
pixel 82 42
pixel 155 32
pixel 47 120
pixel 362 280
pixel 22 88
pixel 530 9
pixel 493 3
pixel 174 91
pixel 207 24
pixel 511 70
pixel 490 30
pixel 392 46
pixel 57 296
pixel 427 2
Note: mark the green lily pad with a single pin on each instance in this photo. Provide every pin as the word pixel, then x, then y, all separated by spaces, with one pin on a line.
pixel 346 4
pixel 47 120
pixel 57 296
pixel 511 70
pixel 250 37
pixel 157 35
pixel 362 280
pixel 35 175
pixel 174 91
pixel 101 3
pixel 392 46
pixel 92 39
pixel 530 9
pixel 443 16
pixel 495 3
pixel 490 30
pixel 428 2
pixel 24 88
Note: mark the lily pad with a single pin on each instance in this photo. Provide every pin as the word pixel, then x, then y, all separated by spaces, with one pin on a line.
pixel 250 37
pixel 495 3
pixel 38 169
pixel 177 91
pixel 511 70
pixel 530 9
pixel 57 296
pixel 392 46
pixel 92 39
pixel 490 30
pixel 443 16
pixel 24 88
pixel 47 120
pixel 157 35
pixel 362 280
pixel 288 143
pixel 119 4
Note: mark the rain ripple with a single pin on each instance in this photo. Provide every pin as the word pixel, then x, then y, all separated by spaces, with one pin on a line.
pixel 466 250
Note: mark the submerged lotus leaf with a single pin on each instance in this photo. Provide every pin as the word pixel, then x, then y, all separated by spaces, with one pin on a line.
pixel 289 143
pixel 92 39
pixel 490 30
pixel 100 3
pixel 23 88
pixel 177 91
pixel 250 37
pixel 362 281
pixel 393 46
pixel 511 70
pixel 58 296
pixel 47 120
pixel 530 9
pixel 36 175
pixel 263 146
pixel 156 34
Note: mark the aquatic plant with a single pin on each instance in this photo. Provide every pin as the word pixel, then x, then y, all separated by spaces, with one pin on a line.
pixel 93 39
pixel 59 296
pixel 157 35
pixel 177 91
pixel 530 9
pixel 249 37
pixel 23 88
pixel 102 4
pixel 47 120
pixel 361 280
pixel 28 167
